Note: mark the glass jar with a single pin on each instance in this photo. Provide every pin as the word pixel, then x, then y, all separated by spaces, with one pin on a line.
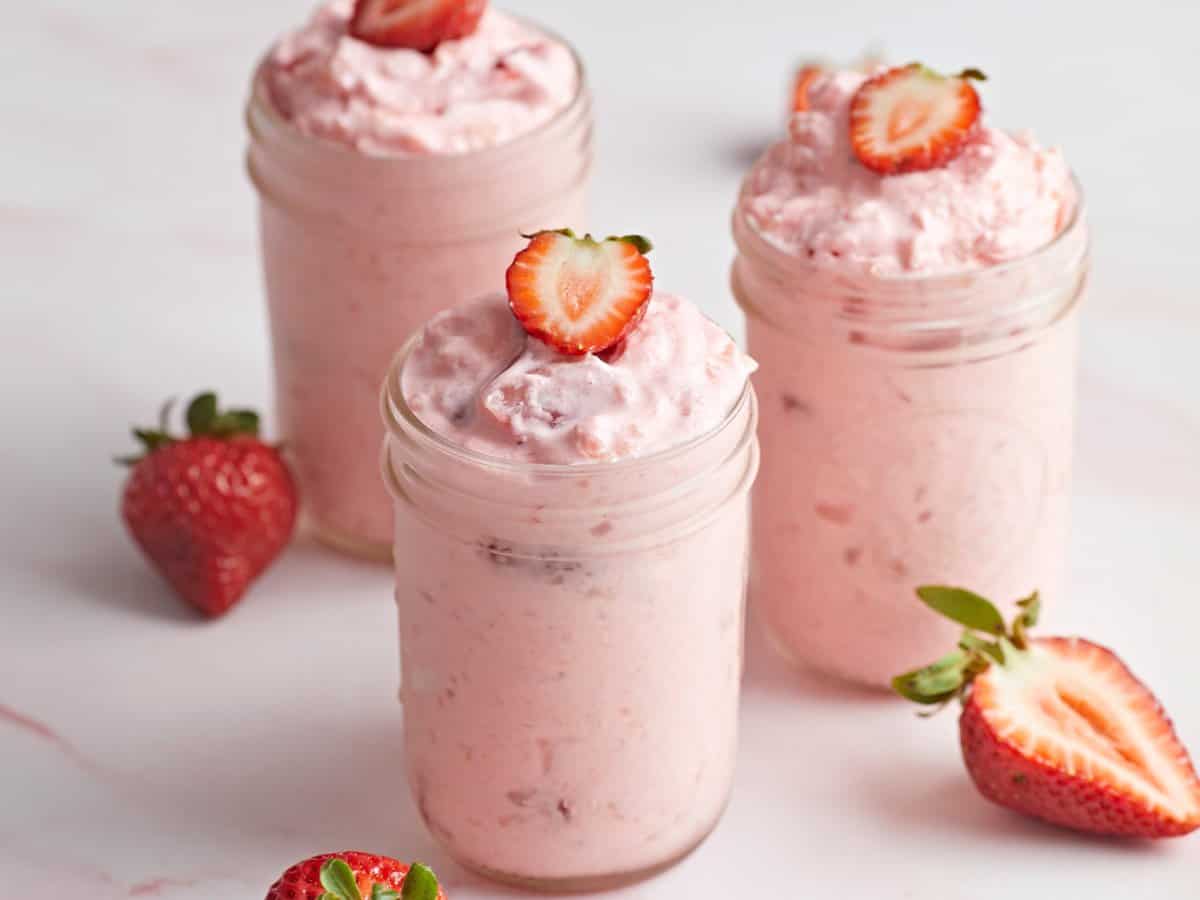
pixel 915 430
pixel 358 251
pixel 571 643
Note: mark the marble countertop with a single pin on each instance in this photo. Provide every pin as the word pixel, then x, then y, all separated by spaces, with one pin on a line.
pixel 148 754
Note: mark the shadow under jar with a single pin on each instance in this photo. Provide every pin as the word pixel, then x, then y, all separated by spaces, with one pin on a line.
pixel 914 430
pixel 359 251
pixel 571 647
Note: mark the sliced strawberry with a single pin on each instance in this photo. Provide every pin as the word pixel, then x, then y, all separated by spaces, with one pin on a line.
pixel 580 295
pixel 911 118
pixel 1058 728
pixel 803 80
pixel 414 24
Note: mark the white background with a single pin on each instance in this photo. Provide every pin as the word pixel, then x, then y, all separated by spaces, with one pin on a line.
pixel 143 753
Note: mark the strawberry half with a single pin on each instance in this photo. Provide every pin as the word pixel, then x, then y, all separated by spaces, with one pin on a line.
pixel 211 510
pixel 414 24
pixel 578 294
pixel 1058 728
pixel 802 81
pixel 355 876
pixel 911 118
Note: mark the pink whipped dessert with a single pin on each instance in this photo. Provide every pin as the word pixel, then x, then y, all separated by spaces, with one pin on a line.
pixel 496 84
pixel 571 559
pixel 394 183
pixel 917 336
pixel 479 380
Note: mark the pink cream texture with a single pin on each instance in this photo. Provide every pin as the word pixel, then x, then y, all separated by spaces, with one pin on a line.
pixel 478 379
pixel 502 81
pixel 917 397
pixel 1002 198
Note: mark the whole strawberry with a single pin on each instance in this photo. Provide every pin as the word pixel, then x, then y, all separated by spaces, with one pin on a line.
pixel 1057 728
pixel 211 510
pixel 355 876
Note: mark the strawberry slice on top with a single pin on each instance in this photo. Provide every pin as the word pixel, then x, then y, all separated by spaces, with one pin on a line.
pixel 578 294
pixel 1057 728
pixel 414 24
pixel 911 118
pixel 801 82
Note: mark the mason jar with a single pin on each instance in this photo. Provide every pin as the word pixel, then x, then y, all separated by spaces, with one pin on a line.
pixel 571 647
pixel 915 430
pixel 358 251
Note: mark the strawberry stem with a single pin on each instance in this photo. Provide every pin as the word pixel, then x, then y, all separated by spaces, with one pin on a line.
pixel 204 418
pixel 940 681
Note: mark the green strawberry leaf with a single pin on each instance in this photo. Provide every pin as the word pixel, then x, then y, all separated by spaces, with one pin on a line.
pixel 1031 611
pixel 642 244
pixel 964 607
pixel 235 421
pixel 201 413
pixel 338 880
pixel 973 643
pixel 935 683
pixel 973 74
pixel 419 884
pixel 379 892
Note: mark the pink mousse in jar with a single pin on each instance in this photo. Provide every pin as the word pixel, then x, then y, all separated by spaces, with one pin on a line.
pixel 917 337
pixel 571 549
pixel 393 184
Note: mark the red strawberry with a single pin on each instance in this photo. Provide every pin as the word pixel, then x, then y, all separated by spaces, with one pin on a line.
pixel 580 295
pixel 1058 728
pixel 211 510
pixel 414 24
pixel 354 876
pixel 803 80
pixel 911 118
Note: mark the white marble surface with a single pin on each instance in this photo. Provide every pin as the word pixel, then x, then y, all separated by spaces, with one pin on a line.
pixel 146 754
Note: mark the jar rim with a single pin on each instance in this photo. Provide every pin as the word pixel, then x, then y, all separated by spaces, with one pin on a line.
pixel 397 414
pixel 954 277
pixel 260 106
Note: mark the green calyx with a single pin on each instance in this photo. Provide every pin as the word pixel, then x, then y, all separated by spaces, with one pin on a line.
pixel 985 641
pixel 340 884
pixel 204 419
pixel 640 243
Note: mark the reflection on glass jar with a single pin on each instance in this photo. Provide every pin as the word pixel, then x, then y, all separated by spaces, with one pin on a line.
pixel 571 648
pixel 914 430
pixel 358 251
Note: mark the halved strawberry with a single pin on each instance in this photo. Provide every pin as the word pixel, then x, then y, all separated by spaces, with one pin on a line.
pixel 802 81
pixel 580 295
pixel 911 118
pixel 1058 728
pixel 414 24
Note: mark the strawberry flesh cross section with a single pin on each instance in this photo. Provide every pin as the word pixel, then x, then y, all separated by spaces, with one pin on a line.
pixel 414 24
pixel 910 118
pixel 579 294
